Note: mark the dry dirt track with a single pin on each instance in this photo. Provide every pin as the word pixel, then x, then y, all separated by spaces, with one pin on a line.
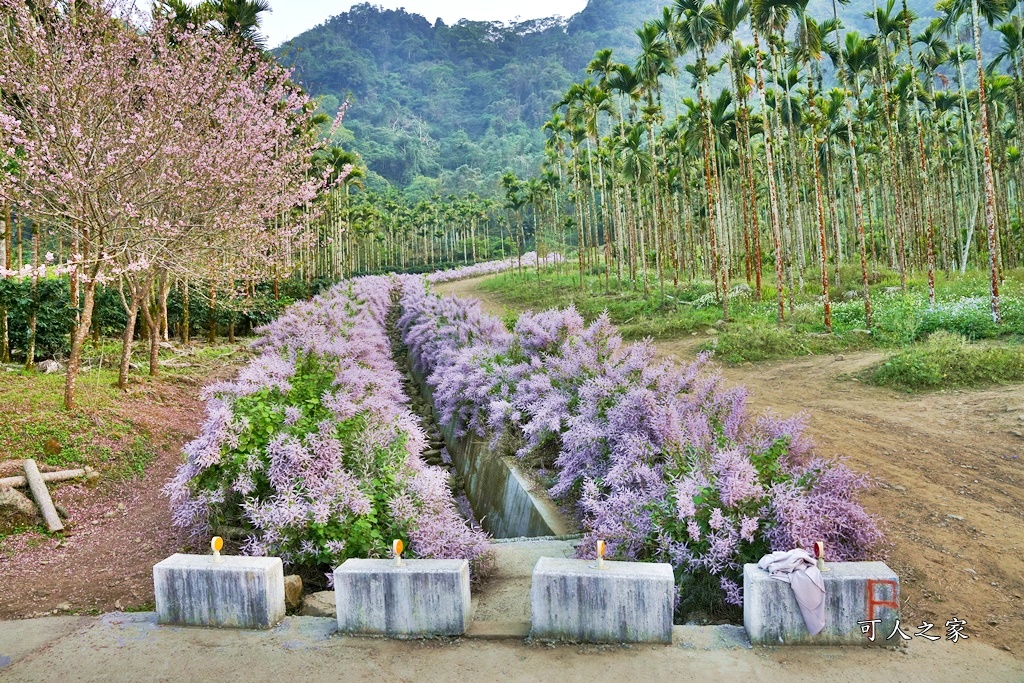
pixel 950 472
pixel 117 530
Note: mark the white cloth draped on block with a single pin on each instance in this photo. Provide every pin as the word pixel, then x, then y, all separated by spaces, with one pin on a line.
pixel 800 571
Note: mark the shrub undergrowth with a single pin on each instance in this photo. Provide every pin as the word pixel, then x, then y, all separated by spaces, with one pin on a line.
pixel 948 360
pixel 312 451
pixel 660 461
pixel 752 334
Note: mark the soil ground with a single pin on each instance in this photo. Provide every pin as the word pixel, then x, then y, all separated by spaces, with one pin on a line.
pixel 118 529
pixel 949 468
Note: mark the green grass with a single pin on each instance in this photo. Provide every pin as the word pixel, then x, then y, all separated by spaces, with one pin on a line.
pixel 35 425
pixel 141 607
pixel 100 432
pixel 637 316
pixel 766 341
pixel 751 334
pixel 948 360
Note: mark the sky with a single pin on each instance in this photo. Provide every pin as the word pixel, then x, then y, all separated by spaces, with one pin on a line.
pixel 291 17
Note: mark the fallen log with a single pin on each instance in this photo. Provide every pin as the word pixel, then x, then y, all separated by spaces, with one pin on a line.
pixel 50 477
pixel 42 495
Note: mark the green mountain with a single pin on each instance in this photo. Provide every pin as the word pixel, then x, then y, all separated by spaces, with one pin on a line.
pixel 464 103
pixel 428 99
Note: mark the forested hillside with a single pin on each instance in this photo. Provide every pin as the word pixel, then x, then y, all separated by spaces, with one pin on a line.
pixel 466 102
pixel 430 98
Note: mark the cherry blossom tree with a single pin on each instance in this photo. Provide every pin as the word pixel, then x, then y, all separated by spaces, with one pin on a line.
pixel 152 151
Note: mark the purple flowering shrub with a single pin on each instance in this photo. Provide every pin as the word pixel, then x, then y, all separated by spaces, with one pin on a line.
pixel 448 333
pixel 662 461
pixel 312 451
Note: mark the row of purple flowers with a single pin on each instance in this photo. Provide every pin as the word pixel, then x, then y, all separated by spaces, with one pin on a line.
pixel 529 260
pixel 661 461
pixel 312 449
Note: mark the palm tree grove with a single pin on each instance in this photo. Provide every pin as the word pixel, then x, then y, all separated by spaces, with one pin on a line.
pixel 586 338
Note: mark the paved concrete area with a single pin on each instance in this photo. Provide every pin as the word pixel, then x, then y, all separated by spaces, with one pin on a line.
pixel 506 596
pixel 132 647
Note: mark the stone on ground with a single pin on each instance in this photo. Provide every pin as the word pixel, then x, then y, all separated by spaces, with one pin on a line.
pixel 16 509
pixel 320 604
pixel 292 592
pixel 50 367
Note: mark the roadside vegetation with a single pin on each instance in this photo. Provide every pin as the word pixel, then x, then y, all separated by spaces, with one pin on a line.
pixel 105 430
pixel 948 360
pixel 904 323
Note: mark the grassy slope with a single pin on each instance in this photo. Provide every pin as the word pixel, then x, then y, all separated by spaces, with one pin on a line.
pixel 101 431
pixel 901 322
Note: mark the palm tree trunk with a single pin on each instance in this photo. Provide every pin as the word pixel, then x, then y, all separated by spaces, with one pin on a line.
pixel 773 196
pixel 990 191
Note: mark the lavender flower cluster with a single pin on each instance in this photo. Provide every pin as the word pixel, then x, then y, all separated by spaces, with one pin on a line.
pixel 312 449
pixel 529 260
pixel 663 462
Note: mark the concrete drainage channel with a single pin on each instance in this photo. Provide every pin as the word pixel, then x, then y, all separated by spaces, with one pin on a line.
pixel 505 500
pixel 517 512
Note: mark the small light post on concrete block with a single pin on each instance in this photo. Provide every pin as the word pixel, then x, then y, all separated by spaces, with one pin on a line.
pixel 862 605
pixel 219 591
pixel 416 599
pixel 618 602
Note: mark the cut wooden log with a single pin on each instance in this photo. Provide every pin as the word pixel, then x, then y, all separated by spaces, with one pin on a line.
pixel 42 496
pixel 48 477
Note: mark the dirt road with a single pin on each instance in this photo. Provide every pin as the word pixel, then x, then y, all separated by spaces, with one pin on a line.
pixel 117 530
pixel 949 467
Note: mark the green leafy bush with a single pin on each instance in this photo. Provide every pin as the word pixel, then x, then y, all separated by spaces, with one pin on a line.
pixel 948 360
pixel 53 315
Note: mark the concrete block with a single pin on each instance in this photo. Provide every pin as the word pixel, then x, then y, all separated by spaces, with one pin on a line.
pixel 421 598
pixel 854 592
pixel 627 602
pixel 239 592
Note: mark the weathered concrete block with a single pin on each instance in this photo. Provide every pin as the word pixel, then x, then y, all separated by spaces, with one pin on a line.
pixel 854 592
pixel 239 592
pixel 627 602
pixel 420 598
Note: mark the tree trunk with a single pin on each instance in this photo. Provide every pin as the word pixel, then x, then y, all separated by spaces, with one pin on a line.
pixel 773 195
pixel 212 322
pixel 165 291
pixel 78 339
pixel 33 315
pixel 137 293
pixel 185 332
pixel 152 320
pixel 990 191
